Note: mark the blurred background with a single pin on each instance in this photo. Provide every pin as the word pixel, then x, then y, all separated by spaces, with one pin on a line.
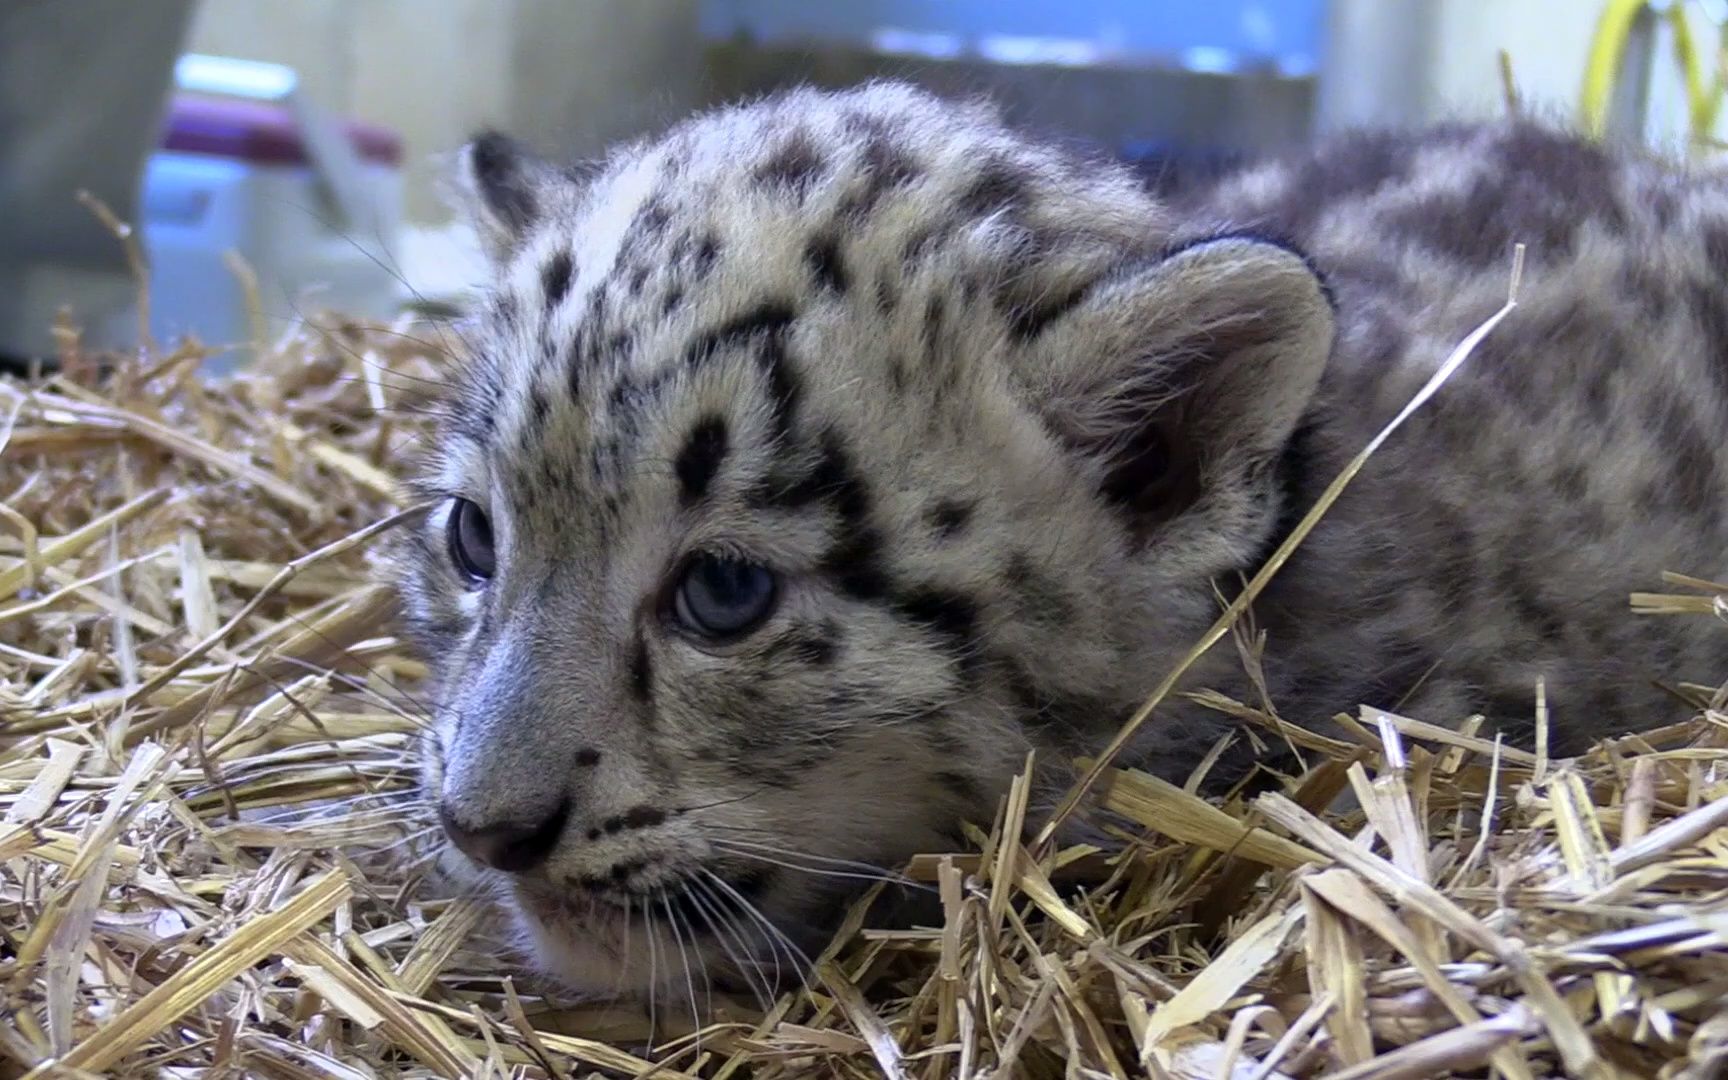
pixel 283 157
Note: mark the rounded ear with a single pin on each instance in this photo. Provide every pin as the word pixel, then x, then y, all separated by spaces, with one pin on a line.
pixel 1184 377
pixel 503 188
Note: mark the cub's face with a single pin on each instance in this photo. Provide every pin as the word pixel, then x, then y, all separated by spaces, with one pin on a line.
pixel 790 498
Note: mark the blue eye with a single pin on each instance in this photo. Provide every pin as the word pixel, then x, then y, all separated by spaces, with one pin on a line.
pixel 723 598
pixel 469 536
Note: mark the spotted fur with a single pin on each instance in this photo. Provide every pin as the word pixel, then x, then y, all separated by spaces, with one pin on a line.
pixel 1005 426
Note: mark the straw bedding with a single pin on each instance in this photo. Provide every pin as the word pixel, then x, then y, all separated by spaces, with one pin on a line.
pixel 192 648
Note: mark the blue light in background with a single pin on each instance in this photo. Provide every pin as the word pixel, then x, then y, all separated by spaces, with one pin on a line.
pixel 1282 37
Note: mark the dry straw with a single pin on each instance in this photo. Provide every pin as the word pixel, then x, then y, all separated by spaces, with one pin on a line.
pixel 208 731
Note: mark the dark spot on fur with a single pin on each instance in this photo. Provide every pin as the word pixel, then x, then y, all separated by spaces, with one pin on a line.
pixel 650 223
pixel 949 517
pixel 1572 482
pixel 1040 598
pixel 700 458
pixel 825 262
pixel 807 645
pixel 885 167
pixel 854 564
pixel 832 480
pixel 1640 282
pixel 556 277
pixel 641 680
pixel 933 309
pixel 962 787
pixel 1354 166
pixel 1543 187
pixel 1716 247
pixel 707 254
pixel 588 757
pixel 643 817
pixel 1525 599
pixel 674 297
pixel 887 296
pixel 796 165
pixel 1513 711
pixel 998 185
pixel 1709 305
pixel 945 612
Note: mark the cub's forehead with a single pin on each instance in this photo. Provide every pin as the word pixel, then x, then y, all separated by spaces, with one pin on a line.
pixel 671 283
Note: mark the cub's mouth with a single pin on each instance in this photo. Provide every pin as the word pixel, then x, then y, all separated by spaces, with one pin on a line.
pixel 746 932
pixel 701 933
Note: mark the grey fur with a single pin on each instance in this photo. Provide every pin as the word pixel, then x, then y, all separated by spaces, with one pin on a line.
pixel 1005 425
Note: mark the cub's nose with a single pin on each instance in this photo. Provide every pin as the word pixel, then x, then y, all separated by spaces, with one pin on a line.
pixel 511 846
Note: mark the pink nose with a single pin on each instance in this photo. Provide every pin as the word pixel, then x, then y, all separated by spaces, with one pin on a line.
pixel 513 847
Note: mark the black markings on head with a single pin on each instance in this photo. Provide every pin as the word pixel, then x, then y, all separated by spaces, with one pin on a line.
pixel 826 263
pixel 998 185
pixel 770 319
pixel 555 279
pixel 946 613
pixel 886 167
pixel 932 322
pixel 1527 601
pixel 1036 594
pixel 706 255
pixel 949 517
pixel 588 757
pixel 641 678
pixel 796 165
pixel 832 480
pixel 650 223
pixel 766 328
pixel 854 564
pixel 887 295
pixel 816 647
pixel 699 460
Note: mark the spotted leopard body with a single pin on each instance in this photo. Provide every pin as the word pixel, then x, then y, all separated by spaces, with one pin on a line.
pixel 1003 428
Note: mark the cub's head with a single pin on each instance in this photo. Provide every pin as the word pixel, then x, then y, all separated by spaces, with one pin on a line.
pixel 817 461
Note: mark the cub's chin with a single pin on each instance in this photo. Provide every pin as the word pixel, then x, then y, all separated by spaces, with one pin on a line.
pixel 661 948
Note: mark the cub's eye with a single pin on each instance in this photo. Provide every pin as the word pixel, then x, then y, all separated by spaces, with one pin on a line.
pixel 469 535
pixel 723 598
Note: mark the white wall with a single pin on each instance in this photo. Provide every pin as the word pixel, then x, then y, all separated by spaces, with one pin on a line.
pixel 574 74
pixel 1416 61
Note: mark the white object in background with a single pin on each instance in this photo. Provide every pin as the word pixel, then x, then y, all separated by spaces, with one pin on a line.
pixel 249 165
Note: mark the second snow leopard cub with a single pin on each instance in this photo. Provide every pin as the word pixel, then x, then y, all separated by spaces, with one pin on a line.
pixel 822 456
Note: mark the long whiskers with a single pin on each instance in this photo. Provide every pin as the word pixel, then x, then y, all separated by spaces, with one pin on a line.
pixel 843 869
pixel 800 959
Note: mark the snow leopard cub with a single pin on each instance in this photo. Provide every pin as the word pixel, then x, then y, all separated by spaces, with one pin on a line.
pixel 824 455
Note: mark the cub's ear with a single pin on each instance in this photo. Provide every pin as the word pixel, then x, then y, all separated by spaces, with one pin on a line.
pixel 504 189
pixel 1183 379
